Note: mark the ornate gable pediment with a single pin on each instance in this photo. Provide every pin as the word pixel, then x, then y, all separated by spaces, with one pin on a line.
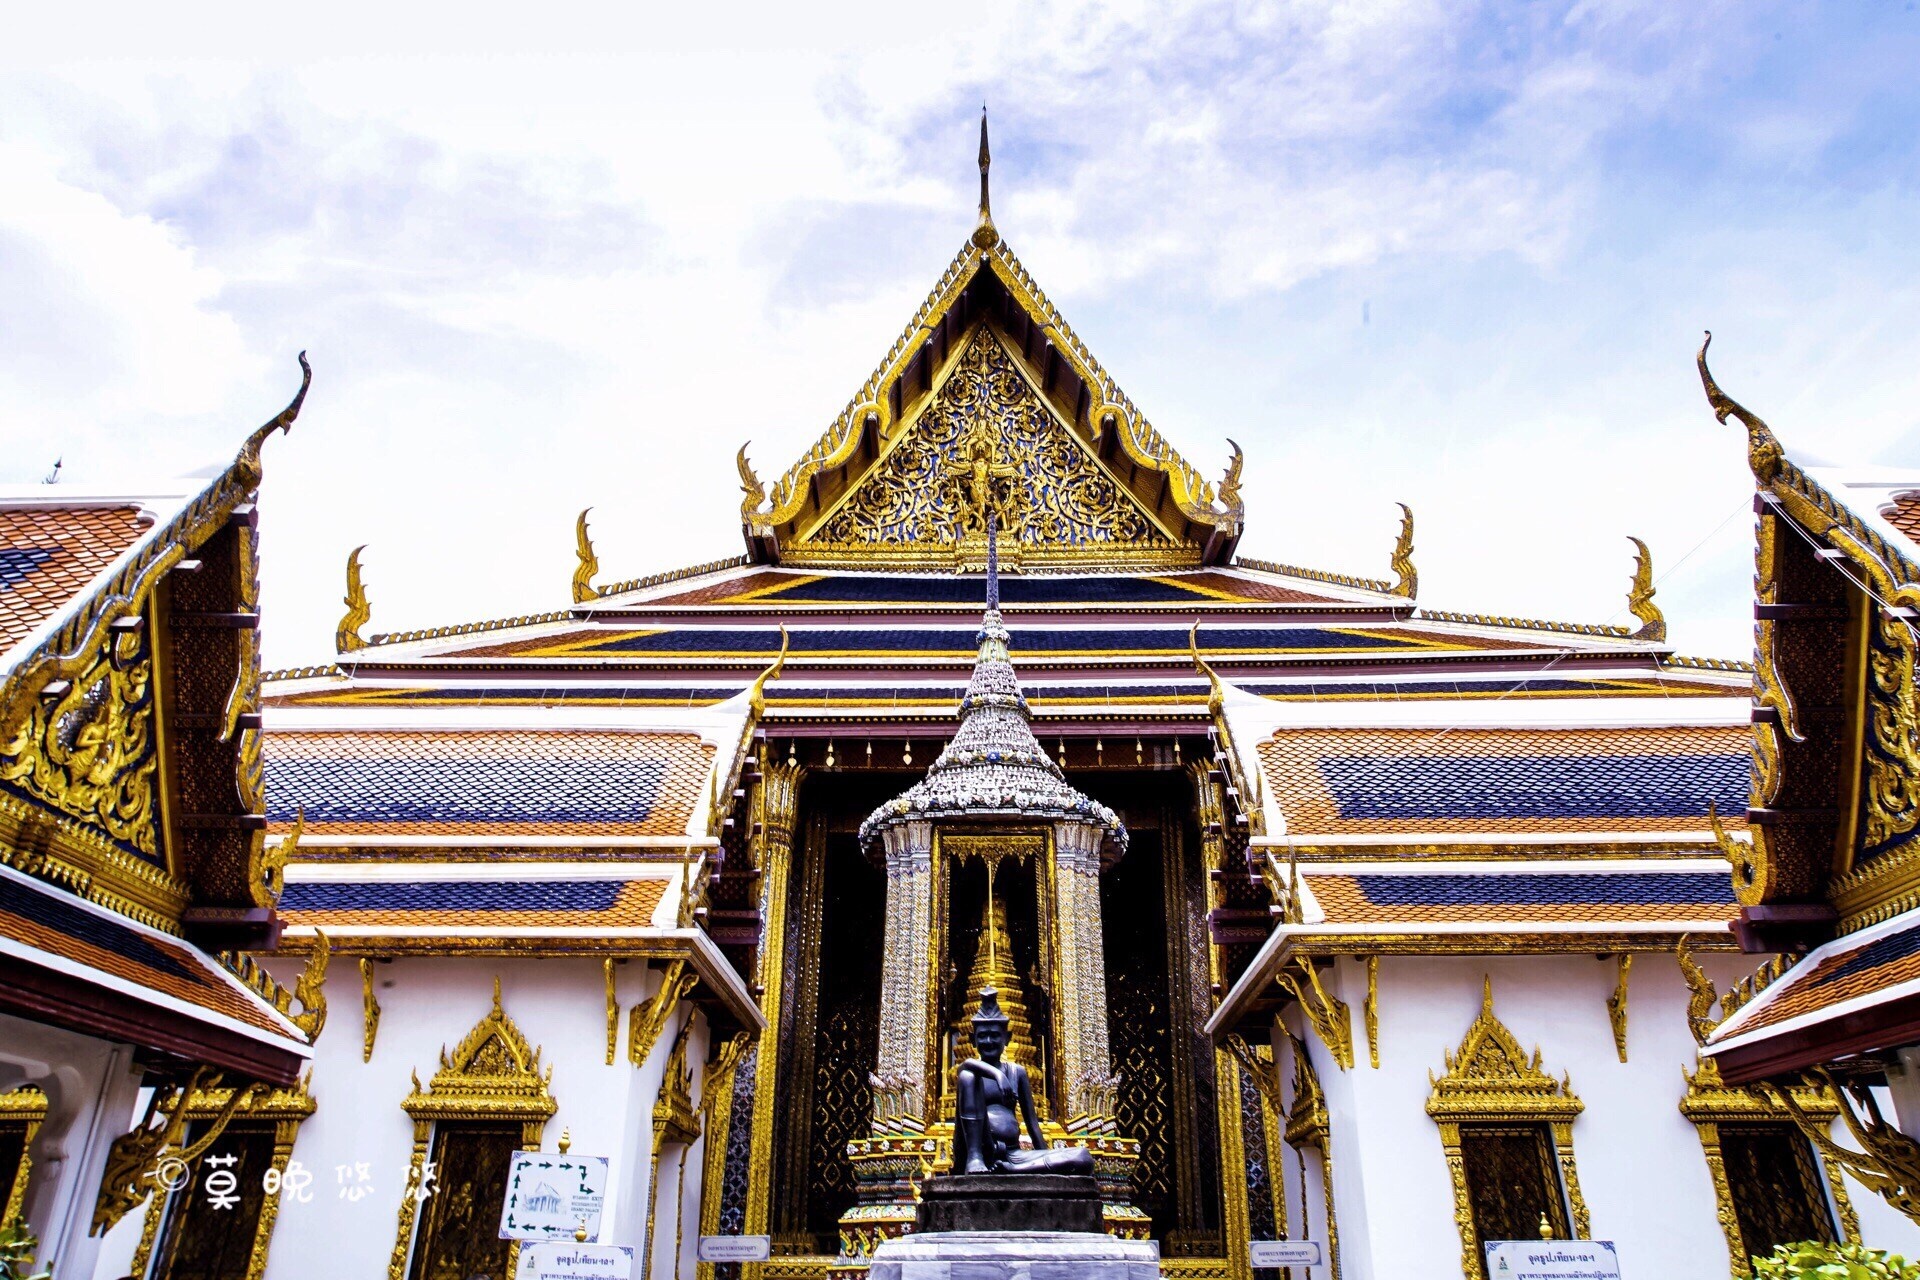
pixel 986 441
pixel 989 378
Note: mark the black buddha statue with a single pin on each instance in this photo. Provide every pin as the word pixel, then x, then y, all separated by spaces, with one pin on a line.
pixel 986 1130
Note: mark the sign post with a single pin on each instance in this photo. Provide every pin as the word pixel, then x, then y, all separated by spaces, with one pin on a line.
pixel 567 1260
pixel 1552 1260
pixel 1284 1253
pixel 735 1248
pixel 554 1197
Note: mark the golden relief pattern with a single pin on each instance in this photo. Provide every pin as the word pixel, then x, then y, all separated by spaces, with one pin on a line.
pixel 987 442
pixel 87 750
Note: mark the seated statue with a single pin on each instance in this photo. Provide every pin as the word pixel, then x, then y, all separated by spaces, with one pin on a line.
pixel 987 1133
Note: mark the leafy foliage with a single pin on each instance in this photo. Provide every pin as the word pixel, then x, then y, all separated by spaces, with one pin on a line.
pixel 17 1245
pixel 1814 1260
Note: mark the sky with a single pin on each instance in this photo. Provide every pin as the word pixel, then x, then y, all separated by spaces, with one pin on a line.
pixel 549 257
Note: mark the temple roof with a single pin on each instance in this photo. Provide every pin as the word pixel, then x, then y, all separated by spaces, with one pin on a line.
pixel 987 370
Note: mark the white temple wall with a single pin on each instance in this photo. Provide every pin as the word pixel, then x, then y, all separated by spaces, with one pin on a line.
pixel 92 1086
pixel 1640 1163
pixel 427 1003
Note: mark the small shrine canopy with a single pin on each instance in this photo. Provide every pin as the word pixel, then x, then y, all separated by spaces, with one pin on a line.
pixel 995 770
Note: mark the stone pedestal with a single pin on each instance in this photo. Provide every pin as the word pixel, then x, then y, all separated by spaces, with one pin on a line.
pixel 1015 1255
pixel 1025 1202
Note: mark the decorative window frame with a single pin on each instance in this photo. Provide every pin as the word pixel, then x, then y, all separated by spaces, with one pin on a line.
pixel 1710 1103
pixel 288 1109
pixel 478 1086
pixel 1491 1080
pixel 24 1105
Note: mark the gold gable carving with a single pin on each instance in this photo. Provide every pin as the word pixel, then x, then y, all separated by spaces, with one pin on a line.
pixel 1194 522
pixel 987 441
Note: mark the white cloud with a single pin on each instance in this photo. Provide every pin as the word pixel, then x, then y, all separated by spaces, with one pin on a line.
pixel 575 257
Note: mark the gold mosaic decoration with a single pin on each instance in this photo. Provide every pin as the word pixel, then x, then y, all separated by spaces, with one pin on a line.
pixel 985 442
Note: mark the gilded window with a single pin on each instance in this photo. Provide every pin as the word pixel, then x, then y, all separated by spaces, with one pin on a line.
pixel 1769 1186
pixel 21 1112
pixel 218 1228
pixel 488 1099
pixel 460 1221
pixel 1506 1127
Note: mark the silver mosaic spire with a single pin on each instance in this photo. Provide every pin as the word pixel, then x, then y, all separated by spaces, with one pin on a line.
pixel 995 769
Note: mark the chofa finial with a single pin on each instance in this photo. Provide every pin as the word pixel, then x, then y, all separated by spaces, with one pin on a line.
pixel 588 562
pixel 984 235
pixel 347 637
pixel 1406 579
pixel 1653 623
pixel 1764 454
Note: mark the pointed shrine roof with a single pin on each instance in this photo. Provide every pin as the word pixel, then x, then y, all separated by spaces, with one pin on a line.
pixel 995 769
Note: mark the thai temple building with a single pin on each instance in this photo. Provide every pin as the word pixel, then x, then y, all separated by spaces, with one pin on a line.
pixel 1317 914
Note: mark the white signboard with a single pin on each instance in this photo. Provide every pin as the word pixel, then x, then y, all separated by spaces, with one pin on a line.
pixel 735 1248
pixel 554 1260
pixel 1552 1260
pixel 1284 1253
pixel 550 1197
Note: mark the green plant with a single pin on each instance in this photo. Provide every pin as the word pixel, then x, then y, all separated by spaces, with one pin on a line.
pixel 1815 1260
pixel 17 1245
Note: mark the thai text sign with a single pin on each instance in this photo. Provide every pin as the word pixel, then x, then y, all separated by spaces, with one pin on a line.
pixel 555 1260
pixel 1284 1253
pixel 1552 1260
pixel 735 1248
pixel 550 1197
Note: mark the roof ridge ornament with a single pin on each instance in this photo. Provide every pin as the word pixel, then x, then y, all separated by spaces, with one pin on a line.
pixel 347 637
pixel 1653 623
pixel 589 563
pixel 1406 578
pixel 985 236
pixel 1764 454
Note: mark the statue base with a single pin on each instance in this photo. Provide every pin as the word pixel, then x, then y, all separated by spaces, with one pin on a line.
pixel 986 1202
pixel 1015 1255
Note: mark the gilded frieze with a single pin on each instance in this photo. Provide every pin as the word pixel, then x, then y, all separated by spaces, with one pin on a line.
pixel 988 441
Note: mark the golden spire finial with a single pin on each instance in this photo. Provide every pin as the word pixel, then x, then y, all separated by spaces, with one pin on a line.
pixel 589 562
pixel 984 235
pixel 346 637
pixel 1653 623
pixel 1764 454
pixel 1406 577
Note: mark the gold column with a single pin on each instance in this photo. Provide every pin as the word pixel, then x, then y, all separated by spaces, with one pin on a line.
pixel 905 1004
pixel 1080 1006
pixel 775 801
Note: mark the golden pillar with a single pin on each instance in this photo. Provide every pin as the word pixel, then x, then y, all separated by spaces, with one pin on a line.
pixel 775 802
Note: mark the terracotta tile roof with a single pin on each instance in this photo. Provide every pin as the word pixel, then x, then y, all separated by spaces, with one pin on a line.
pixel 1904 514
pixel 477 904
pixel 957 642
pixel 1842 970
pixel 1599 897
pixel 481 782
pixel 69 929
pixel 48 556
pixel 1405 781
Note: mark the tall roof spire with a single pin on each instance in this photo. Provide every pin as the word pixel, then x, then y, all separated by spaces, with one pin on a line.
pixel 985 235
pixel 993 560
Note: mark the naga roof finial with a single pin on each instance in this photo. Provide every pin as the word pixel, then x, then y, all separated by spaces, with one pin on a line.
pixel 1764 454
pixel 589 562
pixel 984 235
pixel 1406 577
pixel 347 637
pixel 1653 623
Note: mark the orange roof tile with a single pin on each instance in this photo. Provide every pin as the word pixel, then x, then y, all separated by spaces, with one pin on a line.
pixel 47 557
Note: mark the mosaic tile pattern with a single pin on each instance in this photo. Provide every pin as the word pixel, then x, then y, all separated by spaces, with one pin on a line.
pixel 47 557
pixel 1904 514
pixel 478 904
pixel 957 642
pixel 485 782
pixel 1406 781
pixel 1845 973
pixel 66 927
pixel 1598 897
